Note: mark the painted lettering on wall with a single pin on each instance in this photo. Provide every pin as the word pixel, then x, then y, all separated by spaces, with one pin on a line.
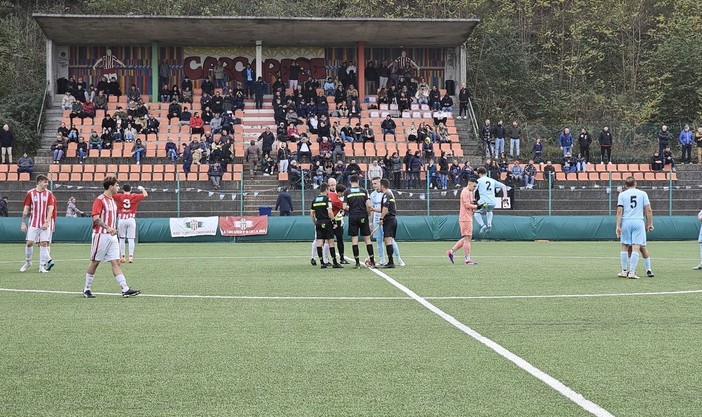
pixel 198 67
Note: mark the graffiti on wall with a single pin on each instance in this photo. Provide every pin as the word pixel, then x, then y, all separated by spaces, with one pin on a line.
pixel 199 63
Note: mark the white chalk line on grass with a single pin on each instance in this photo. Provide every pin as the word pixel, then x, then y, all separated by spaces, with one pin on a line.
pixel 552 382
pixel 366 298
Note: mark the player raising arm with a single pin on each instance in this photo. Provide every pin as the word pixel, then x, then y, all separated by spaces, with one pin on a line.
pixel 486 189
pixel 104 242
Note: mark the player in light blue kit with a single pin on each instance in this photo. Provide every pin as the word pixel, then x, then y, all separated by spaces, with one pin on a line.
pixel 376 198
pixel 486 203
pixel 634 219
pixel 699 240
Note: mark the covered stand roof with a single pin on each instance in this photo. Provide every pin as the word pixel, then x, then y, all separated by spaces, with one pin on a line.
pixel 245 31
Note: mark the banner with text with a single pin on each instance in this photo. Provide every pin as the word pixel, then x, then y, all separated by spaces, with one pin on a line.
pixel 193 226
pixel 243 225
pixel 198 63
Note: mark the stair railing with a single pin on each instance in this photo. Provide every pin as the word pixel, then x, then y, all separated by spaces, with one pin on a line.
pixel 41 111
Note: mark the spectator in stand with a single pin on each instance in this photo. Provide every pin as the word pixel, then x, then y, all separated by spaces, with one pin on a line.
pixel 605 140
pixel 434 98
pixel 283 157
pixel 184 119
pixel 368 134
pixel 698 141
pixel 114 88
pixel 566 141
pixel 515 137
pixel 304 150
pixel 388 125
pixel 584 141
pixel 134 94
pixel 187 96
pixel 88 110
pixel 187 158
pixel 3 206
pixel 427 149
pixel 284 202
pixel 25 164
pixel 443 170
pixel 439 117
pixel 432 174
pixel 372 78
pixel 486 133
pixel 7 138
pixel 67 101
pixel 249 76
pixel 58 149
pixel 422 94
pixel 197 125
pixel 138 151
pixel 94 141
pixel 447 103
pixel 354 110
pixel 215 174
pixel 374 170
pixel 82 150
pixel 529 176
pixel 329 87
pixel 267 139
pixel 357 133
pixel 668 158
pixel 550 173
pixel 499 133
pixel 171 150
pixel 463 97
pixel 580 164
pixel 174 111
pixel 72 210
pixel 656 162
pixel 252 156
pixel 569 163
pixel 516 173
pixel 415 166
pixel 686 139
pixel 165 94
pixel 152 125
pixel 76 110
pixel 395 168
pixel 664 139
pixel 130 133
pixel 101 102
pixel 338 149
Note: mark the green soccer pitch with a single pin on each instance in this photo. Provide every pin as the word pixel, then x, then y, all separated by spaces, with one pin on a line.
pixel 255 330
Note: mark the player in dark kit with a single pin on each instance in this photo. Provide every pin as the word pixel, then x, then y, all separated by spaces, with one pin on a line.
pixel 321 214
pixel 388 220
pixel 357 204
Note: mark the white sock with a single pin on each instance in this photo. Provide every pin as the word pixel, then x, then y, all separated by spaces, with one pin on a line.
pixel 121 247
pixel 29 251
pixel 647 263
pixel 701 253
pixel 325 252
pixel 122 281
pixel 88 281
pixel 131 248
pixel 489 218
pixel 467 258
pixel 48 253
pixel 624 258
pixel 479 218
pixel 396 251
pixel 633 262
pixel 43 255
pixel 314 250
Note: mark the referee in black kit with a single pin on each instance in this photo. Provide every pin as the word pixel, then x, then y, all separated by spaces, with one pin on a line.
pixel 387 219
pixel 357 204
pixel 321 214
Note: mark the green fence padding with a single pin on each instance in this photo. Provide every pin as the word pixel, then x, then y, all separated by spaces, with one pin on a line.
pixel 409 228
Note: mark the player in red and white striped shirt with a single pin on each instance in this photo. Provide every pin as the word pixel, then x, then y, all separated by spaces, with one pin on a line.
pixel 104 245
pixel 127 204
pixel 41 222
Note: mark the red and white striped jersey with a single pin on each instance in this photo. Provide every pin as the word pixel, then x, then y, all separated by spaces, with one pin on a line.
pixel 106 208
pixel 127 204
pixel 39 202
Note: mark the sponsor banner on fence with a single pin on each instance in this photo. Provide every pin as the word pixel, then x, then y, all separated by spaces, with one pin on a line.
pixel 243 225
pixel 193 226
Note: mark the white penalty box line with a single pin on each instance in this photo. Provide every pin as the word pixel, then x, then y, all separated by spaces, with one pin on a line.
pixel 552 382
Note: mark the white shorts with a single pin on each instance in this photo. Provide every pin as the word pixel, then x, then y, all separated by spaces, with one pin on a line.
pixel 126 228
pixel 105 247
pixel 37 234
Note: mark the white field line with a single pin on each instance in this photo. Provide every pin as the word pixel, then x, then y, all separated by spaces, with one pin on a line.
pixel 214 297
pixel 499 349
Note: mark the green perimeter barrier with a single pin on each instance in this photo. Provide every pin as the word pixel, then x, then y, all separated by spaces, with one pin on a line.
pixel 409 228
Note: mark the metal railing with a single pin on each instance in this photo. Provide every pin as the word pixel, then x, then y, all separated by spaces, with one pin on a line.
pixel 43 105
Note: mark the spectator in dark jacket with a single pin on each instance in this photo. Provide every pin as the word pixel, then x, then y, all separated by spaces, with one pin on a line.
pixel 388 125
pixel 3 207
pixel 25 164
pixel 584 141
pixel 284 202
pixel 6 140
pixel 656 162
pixel 664 138
pixel 605 140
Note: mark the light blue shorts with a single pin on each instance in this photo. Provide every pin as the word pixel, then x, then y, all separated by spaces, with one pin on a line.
pixel 485 209
pixel 633 232
pixel 699 238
